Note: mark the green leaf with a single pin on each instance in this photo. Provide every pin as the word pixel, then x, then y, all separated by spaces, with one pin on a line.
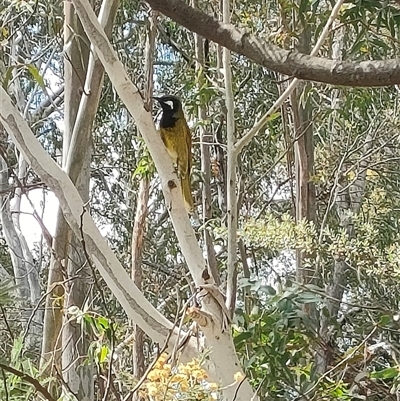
pixel 8 76
pixel 103 354
pixel 267 289
pixel 388 373
pixel 103 323
pixel 16 350
pixel 274 116
pixel 242 337
pixel 309 297
pixel 36 75
pixel 385 320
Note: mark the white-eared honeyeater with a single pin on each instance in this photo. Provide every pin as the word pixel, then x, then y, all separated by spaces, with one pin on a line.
pixel 177 139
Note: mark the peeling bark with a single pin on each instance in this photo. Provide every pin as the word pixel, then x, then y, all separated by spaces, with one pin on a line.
pixel 75 342
pixel 139 225
pixel 75 66
pixel 83 84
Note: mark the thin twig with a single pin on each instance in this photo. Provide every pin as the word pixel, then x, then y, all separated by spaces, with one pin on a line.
pixel 184 309
pixel 64 382
pixel 42 298
pixel 109 375
pixel 348 357
pixel 151 366
pixel 325 295
pixel 237 388
pixel 5 384
pixel 46 233
pixel 88 260
pixel 245 140
pixel 31 380
pixel 6 322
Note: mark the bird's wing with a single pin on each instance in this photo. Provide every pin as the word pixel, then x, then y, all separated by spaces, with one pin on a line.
pixel 189 146
pixel 182 138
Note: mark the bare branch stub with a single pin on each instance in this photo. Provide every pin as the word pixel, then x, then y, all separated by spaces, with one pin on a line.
pixel 172 184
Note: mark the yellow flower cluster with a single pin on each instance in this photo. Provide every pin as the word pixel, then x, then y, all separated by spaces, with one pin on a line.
pixel 186 381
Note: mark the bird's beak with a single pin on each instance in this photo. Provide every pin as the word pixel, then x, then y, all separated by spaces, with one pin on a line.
pixel 157 98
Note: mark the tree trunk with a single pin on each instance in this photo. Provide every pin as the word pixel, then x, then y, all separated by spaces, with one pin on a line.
pixel 78 376
pixel 304 165
pixel 32 268
pixel 79 116
pixel 19 248
pixel 206 141
pixel 12 240
pixel 218 334
pixel 75 64
pixel 232 212
pixel 139 226
pixel 26 276
pixel 137 272
pixel 75 342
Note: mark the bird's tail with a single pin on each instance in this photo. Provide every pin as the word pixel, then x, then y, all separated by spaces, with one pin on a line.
pixel 187 193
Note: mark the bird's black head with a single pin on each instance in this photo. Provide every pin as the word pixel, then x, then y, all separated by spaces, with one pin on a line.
pixel 169 102
pixel 172 110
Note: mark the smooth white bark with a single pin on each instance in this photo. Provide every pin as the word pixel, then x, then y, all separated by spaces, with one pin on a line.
pixel 132 300
pixel 131 97
pixel 223 357
pixel 231 174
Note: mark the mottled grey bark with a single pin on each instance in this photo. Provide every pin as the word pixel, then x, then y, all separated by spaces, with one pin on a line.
pixel 304 163
pixel 75 65
pixel 139 225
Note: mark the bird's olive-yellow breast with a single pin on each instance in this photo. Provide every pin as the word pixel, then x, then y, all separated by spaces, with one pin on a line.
pixel 177 139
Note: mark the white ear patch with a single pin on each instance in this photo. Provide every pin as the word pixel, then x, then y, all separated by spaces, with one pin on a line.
pixel 169 103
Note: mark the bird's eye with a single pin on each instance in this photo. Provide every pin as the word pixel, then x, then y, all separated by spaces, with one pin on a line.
pixel 169 103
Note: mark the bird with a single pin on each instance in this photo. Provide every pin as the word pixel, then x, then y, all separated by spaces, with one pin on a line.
pixel 177 138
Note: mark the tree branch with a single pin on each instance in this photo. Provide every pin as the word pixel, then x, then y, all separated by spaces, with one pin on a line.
pixel 223 357
pixel 232 200
pixel 131 299
pixel 291 63
pixel 132 98
pixel 31 380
